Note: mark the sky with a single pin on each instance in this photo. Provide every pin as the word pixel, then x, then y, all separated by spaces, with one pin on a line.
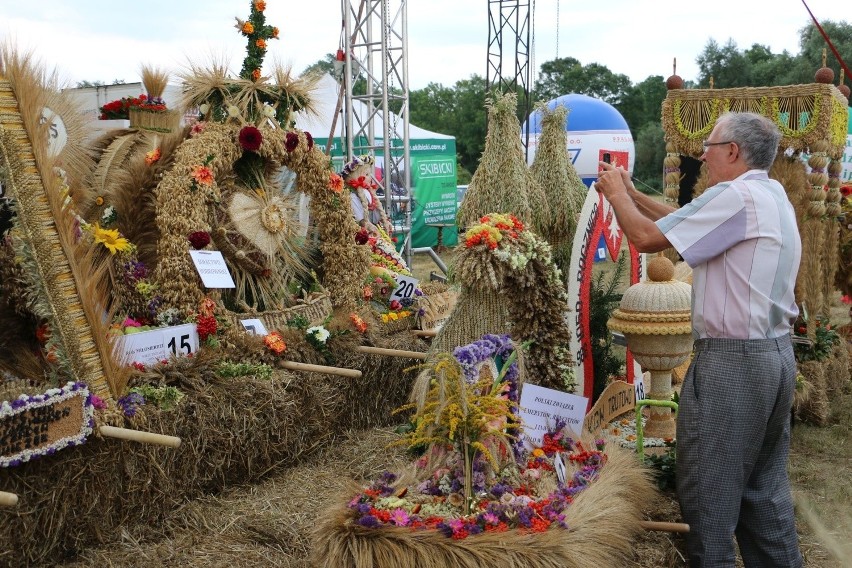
pixel 105 40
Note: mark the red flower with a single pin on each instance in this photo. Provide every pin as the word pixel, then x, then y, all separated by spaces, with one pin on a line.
pixel 310 140
pixel 206 326
pixel 250 138
pixel 292 141
pixel 275 343
pixel 362 236
pixel 199 239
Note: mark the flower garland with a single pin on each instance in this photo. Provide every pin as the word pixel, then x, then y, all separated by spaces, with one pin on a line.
pixel 32 404
pixel 507 502
pixel 258 34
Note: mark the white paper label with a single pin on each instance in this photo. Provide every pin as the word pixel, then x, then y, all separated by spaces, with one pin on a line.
pixel 156 345
pixel 639 387
pixel 541 407
pixel 255 327
pixel 211 266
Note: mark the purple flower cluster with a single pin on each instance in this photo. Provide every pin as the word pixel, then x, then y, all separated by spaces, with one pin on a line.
pixel 134 271
pixel 490 346
pixel 130 403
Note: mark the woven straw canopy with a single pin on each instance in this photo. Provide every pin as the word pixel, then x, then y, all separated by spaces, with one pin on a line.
pixel 804 113
pixel 657 306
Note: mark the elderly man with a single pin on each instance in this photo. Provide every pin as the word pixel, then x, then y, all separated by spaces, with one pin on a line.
pixel 733 435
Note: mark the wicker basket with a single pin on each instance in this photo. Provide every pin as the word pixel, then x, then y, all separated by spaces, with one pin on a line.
pixel 315 310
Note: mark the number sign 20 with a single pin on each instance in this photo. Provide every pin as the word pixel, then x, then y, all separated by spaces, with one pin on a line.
pixel 405 286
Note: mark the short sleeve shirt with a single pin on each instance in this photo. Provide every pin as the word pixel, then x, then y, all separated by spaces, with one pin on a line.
pixel 742 242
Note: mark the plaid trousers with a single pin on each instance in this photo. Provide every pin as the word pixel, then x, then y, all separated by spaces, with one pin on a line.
pixel 733 440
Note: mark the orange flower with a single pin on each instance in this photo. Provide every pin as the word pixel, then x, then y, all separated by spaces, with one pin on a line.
pixel 358 322
pixel 255 75
pixel 152 156
pixel 248 28
pixel 202 175
pixel 99 200
pixel 260 43
pixel 275 343
pixel 275 32
pixel 335 183
pixel 259 5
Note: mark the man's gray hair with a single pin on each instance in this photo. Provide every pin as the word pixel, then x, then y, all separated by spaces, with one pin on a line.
pixel 757 137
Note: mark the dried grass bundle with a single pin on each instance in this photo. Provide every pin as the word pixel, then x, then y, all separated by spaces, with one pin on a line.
pixel 502 182
pixel 603 520
pixel 563 189
pixel 155 80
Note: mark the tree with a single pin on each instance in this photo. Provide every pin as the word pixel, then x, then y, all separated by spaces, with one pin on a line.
pixel 726 65
pixel 642 103
pixel 811 44
pixel 567 75
pixel 650 152
pixel 458 111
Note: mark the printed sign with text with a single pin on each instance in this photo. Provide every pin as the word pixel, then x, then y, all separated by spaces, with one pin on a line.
pixel 541 407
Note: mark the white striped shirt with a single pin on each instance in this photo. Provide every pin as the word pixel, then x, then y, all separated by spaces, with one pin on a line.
pixel 741 239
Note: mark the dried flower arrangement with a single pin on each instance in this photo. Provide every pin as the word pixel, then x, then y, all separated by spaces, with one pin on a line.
pixel 500 255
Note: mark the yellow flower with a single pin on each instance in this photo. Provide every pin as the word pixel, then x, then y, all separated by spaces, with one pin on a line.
pixel 111 239
pixel 538 453
pixel 384 318
pixel 393 315
pixel 99 200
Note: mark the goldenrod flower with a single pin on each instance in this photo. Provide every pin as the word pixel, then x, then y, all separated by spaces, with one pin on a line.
pixel 248 28
pixel 260 43
pixel 111 239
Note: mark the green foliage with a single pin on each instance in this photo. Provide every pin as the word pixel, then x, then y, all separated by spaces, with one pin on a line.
pixel 230 369
pixel 664 467
pixel 164 398
pixel 567 75
pixel 757 66
pixel 603 300
pixel 650 152
pixel 642 102
pixel 824 340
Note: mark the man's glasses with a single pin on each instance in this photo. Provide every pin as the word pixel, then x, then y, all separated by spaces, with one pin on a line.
pixel 706 145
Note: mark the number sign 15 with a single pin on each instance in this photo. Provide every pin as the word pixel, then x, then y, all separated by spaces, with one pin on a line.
pixel 181 339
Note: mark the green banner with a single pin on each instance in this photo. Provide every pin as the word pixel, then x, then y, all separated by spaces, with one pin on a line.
pixel 433 188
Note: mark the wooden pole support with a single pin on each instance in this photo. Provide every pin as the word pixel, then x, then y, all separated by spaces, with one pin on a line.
pixel 390 352
pixel 295 366
pixel 664 526
pixel 8 499
pixel 425 332
pixel 139 436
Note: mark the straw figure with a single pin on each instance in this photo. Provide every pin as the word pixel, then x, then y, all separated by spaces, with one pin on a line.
pixel 509 281
pixel 502 181
pixel 563 189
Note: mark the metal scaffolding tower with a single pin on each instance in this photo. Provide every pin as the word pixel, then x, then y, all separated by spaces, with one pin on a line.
pixel 509 34
pixel 376 45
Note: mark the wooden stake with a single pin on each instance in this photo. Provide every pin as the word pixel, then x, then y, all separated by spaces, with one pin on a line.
pixel 425 332
pixel 390 352
pixel 139 436
pixel 295 366
pixel 664 526
pixel 8 499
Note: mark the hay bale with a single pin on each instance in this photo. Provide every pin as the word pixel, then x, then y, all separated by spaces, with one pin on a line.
pixel 233 431
pixel 603 520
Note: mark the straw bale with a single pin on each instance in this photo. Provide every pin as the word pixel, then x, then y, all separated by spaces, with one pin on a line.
pixel 234 430
pixel 603 521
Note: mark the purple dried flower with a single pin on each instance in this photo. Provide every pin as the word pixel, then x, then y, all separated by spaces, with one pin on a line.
pixel 130 403
pixel 370 522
